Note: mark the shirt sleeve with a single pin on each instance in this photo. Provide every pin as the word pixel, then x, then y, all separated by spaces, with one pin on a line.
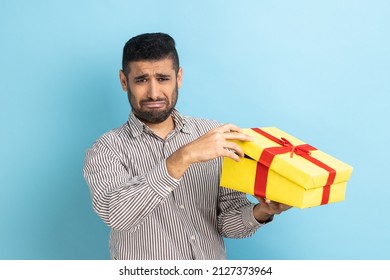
pixel 123 202
pixel 236 219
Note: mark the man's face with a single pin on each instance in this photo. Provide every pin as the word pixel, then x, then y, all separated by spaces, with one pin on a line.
pixel 152 89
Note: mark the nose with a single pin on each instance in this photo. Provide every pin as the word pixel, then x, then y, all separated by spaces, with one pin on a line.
pixel 153 89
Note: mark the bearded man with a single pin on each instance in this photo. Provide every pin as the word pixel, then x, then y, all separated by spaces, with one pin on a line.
pixel 155 179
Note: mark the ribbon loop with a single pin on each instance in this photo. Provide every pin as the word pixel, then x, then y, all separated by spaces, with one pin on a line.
pixel 299 150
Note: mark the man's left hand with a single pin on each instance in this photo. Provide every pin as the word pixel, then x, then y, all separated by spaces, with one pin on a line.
pixel 266 208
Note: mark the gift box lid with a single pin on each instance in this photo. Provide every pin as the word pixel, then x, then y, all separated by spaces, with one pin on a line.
pixel 294 159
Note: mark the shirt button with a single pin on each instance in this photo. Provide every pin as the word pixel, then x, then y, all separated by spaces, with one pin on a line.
pixel 169 189
pixel 250 223
pixel 181 206
pixel 192 237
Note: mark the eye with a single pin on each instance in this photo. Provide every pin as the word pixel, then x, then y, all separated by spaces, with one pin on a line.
pixel 141 80
pixel 162 79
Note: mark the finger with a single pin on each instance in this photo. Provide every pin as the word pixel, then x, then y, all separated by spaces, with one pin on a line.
pixel 285 207
pixel 226 128
pixel 238 136
pixel 231 154
pixel 275 207
pixel 232 132
pixel 280 207
pixel 235 148
pixel 259 198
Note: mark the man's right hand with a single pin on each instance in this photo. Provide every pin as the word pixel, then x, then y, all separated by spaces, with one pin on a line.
pixel 215 143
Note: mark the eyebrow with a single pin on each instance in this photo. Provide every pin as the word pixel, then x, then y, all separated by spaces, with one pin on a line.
pixel 140 77
pixel 159 75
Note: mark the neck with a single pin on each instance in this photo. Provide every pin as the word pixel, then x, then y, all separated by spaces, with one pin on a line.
pixel 162 129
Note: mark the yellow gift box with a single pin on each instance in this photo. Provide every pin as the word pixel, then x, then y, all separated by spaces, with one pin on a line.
pixel 282 168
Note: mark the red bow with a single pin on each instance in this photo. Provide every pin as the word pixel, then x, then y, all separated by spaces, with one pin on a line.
pixel 299 150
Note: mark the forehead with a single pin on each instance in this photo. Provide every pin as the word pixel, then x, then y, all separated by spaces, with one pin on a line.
pixel 151 67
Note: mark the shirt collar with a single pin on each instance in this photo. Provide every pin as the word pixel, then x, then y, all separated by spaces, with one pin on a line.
pixel 137 127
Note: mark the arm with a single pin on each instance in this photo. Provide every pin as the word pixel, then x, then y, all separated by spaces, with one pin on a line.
pixel 235 218
pixel 211 145
pixel 121 201
pixel 239 218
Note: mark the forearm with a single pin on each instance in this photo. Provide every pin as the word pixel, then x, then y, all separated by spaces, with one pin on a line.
pixel 139 197
pixel 236 219
pixel 178 163
pixel 122 200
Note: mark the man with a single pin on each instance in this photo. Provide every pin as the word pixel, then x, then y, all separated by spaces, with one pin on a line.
pixel 155 179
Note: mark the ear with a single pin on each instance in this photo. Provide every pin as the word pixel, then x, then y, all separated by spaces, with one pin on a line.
pixel 123 79
pixel 179 77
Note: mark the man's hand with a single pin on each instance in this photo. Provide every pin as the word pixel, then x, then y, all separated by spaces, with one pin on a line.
pixel 266 208
pixel 213 144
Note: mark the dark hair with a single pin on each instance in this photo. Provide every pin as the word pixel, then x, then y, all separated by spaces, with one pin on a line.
pixel 149 46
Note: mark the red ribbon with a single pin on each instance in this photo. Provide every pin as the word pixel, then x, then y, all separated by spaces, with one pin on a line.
pixel 268 155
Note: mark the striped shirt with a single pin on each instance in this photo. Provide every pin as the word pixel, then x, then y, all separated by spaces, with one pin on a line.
pixel 151 214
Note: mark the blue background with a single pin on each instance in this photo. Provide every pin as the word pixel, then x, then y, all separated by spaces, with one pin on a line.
pixel 316 69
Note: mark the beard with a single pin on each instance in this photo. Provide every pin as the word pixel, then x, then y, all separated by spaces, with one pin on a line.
pixel 154 116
